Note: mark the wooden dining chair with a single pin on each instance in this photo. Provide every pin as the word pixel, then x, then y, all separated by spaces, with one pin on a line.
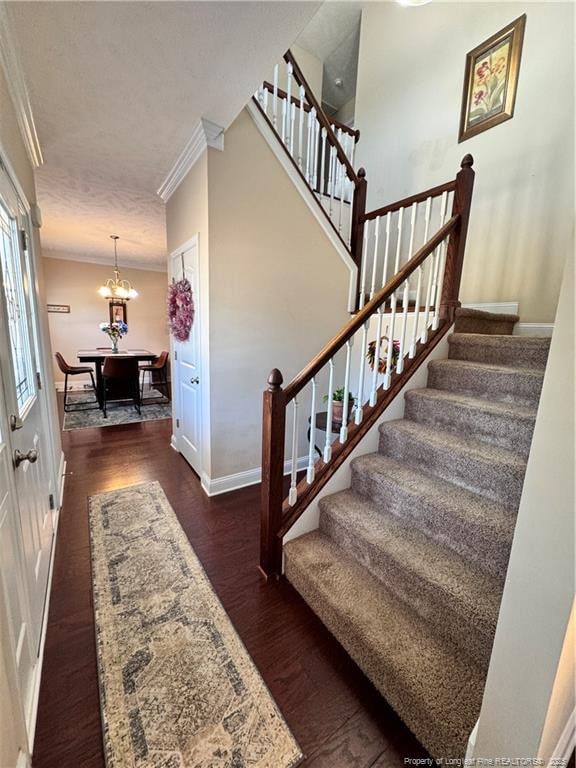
pixel 160 367
pixel 120 377
pixel 76 370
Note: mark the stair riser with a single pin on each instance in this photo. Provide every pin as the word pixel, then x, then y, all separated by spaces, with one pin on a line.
pixel 506 431
pixel 516 386
pixel 501 482
pixel 451 621
pixel 480 545
pixel 528 355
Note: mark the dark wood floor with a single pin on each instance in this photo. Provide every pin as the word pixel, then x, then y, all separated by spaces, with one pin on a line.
pixel 336 715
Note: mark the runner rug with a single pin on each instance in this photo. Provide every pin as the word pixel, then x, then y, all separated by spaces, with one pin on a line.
pixel 177 687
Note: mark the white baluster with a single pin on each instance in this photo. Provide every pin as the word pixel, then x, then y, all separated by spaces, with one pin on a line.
pixel 323 165
pixel 386 250
pixel 362 297
pixel 300 126
pixel 375 256
pixel 288 100
pixel 283 128
pixel 275 98
pixel 437 258
pixel 316 147
pixel 351 197
pixel 342 177
pixel 310 470
pixel 328 443
pixel 375 373
pixel 292 119
pixel 406 294
pixel 260 96
pixel 412 351
pixel 399 240
pixel 390 350
pixel 266 101
pixel 309 146
pixel 332 177
pixel 293 493
pixel 339 189
pixel 344 427
pixel 440 283
pixel 352 150
pixel 359 409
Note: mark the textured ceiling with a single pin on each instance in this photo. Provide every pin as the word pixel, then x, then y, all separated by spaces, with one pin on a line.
pixel 117 89
pixel 333 35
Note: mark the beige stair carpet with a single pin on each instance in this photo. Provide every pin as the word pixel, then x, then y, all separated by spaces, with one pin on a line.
pixel 177 687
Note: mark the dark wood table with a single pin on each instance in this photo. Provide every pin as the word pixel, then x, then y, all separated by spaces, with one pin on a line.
pixel 97 357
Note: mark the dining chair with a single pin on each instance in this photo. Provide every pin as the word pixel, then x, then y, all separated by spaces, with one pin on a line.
pixel 76 370
pixel 120 377
pixel 159 366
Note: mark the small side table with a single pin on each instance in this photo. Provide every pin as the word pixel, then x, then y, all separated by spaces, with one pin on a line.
pixel 322 424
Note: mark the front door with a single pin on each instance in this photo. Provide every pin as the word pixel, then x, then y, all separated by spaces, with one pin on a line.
pixel 23 407
pixel 186 369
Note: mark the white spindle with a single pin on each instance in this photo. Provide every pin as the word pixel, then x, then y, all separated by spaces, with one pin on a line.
pixel 316 139
pixel 353 138
pixel 310 470
pixel 283 128
pixel 390 350
pixel 375 256
pixel 275 98
pixel 351 199
pixel 266 101
pixel 292 120
pixel 328 443
pixel 420 271
pixel 332 177
pixel 386 250
pixel 343 176
pixel 399 240
pixel 289 101
pixel 323 164
pixel 375 373
pixel 293 493
pixel 362 297
pixel 436 319
pixel 300 126
pixel 260 96
pixel 436 266
pixel 406 293
pixel 359 409
pixel 309 146
pixel 344 427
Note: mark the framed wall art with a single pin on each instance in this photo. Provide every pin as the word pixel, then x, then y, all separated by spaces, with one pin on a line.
pixel 490 80
pixel 118 312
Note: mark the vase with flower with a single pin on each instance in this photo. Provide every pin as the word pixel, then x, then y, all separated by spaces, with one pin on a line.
pixel 115 331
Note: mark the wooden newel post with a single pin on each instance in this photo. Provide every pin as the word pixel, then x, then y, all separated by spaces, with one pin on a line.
pixel 457 242
pixel 273 436
pixel 357 234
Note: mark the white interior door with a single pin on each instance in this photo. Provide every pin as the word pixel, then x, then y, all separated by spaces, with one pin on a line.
pixel 23 407
pixel 186 367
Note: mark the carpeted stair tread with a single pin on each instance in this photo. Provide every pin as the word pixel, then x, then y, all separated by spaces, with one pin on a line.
pixel 497 382
pixel 458 599
pixel 470 320
pixel 525 351
pixel 478 466
pixel 477 528
pixel 434 688
pixel 508 425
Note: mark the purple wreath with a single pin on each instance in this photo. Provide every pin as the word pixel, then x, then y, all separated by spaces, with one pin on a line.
pixel 180 309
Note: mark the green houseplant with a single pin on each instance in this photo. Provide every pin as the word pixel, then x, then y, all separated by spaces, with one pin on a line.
pixel 338 405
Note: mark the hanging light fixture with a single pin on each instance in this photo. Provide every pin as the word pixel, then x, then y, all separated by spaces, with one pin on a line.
pixel 117 288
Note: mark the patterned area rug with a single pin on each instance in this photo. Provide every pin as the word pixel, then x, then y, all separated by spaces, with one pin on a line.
pixel 82 419
pixel 177 687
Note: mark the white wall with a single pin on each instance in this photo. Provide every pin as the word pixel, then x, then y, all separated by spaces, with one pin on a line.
pixel 410 76
pixel 539 591
pixel 76 283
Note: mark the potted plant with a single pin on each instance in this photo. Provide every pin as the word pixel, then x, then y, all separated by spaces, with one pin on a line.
pixel 114 331
pixel 338 405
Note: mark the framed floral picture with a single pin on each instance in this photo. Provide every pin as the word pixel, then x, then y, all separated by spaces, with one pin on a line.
pixel 490 80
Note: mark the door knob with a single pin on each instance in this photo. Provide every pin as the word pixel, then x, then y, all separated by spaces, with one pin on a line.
pixel 15 423
pixel 195 380
pixel 19 457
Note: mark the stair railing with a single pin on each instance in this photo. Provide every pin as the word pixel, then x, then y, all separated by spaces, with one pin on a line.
pixel 321 148
pixel 373 355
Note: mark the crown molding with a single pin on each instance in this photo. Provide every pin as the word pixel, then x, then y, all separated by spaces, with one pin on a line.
pixel 101 260
pixel 205 134
pixel 10 63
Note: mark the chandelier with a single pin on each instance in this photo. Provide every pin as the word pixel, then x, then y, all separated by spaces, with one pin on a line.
pixel 117 288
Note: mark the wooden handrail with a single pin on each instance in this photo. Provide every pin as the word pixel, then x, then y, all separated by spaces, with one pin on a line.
pixel 354 132
pixel 323 118
pixel 361 317
pixel 449 186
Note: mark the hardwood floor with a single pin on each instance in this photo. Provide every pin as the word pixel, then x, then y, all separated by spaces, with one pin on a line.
pixel 336 715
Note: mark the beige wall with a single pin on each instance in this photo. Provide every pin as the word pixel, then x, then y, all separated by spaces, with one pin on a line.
pixel 411 68
pixel 76 283
pixel 528 678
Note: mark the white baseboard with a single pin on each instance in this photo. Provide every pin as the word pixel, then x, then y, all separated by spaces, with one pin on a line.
pixel 73 386
pixel 501 308
pixel 61 479
pixel 227 483
pixel 533 329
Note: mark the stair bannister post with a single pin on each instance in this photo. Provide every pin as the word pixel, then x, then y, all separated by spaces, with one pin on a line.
pixel 357 234
pixel 457 242
pixel 273 437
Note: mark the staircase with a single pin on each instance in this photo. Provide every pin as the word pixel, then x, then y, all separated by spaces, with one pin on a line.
pixel 408 565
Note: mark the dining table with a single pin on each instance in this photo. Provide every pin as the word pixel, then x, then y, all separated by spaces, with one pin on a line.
pixel 98 356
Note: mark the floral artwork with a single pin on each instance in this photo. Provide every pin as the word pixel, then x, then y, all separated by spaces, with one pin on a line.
pixel 491 79
pixel 180 309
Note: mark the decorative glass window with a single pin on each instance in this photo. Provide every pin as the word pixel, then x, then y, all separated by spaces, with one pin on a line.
pixel 16 310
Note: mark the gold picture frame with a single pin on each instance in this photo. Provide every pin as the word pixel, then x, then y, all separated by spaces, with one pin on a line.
pixel 491 79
